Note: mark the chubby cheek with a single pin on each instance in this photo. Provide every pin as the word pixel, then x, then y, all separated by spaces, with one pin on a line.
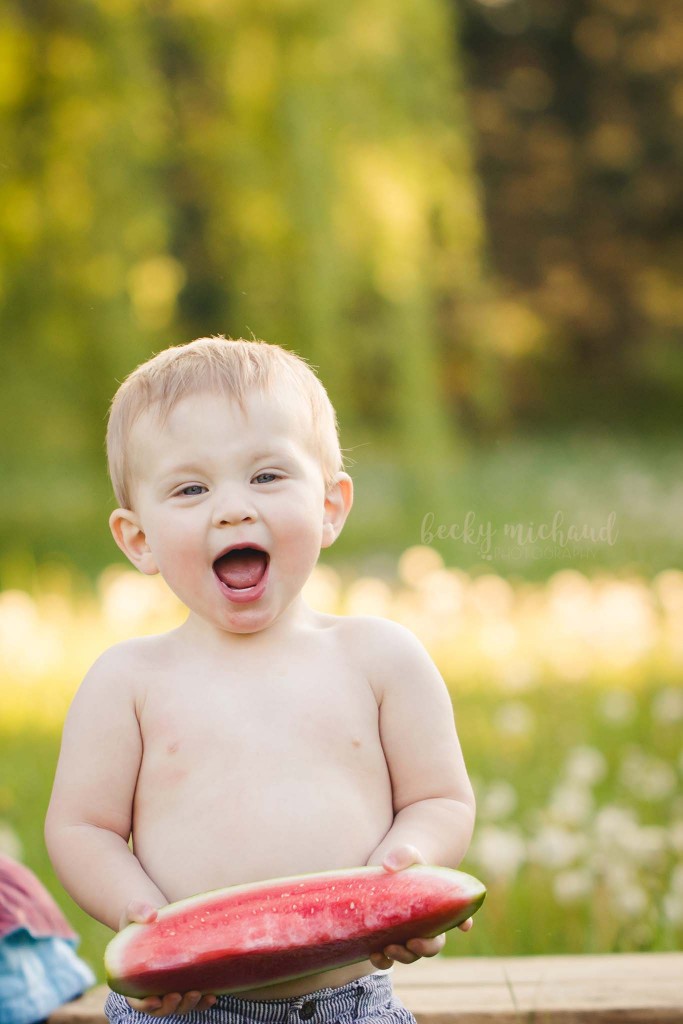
pixel 300 544
pixel 177 555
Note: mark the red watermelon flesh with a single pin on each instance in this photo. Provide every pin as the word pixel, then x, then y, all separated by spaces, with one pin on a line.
pixel 248 936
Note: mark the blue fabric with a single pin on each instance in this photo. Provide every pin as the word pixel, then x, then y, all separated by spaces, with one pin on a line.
pixel 37 976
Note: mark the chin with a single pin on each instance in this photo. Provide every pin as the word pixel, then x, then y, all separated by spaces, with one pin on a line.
pixel 254 622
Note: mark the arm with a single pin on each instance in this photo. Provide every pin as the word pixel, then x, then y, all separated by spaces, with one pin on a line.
pixel 90 815
pixel 433 801
pixel 432 796
pixel 438 827
pixel 89 818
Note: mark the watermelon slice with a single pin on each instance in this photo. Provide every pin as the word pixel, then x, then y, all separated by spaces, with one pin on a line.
pixel 247 936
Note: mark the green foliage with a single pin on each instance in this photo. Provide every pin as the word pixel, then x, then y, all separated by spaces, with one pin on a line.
pixel 301 173
pixel 577 109
pixel 572 478
pixel 306 173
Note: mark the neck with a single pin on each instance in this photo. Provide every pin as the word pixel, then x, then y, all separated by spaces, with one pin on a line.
pixel 199 631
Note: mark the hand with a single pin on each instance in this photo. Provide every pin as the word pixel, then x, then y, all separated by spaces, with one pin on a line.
pixel 397 859
pixel 174 1002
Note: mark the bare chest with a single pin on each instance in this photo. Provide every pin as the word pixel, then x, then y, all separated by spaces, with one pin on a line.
pixel 272 724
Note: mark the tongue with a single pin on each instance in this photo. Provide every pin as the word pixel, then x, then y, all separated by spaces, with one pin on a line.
pixel 241 569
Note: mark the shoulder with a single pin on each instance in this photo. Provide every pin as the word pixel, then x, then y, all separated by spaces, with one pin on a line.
pixel 374 635
pixel 378 632
pixel 121 669
pixel 387 652
pixel 126 654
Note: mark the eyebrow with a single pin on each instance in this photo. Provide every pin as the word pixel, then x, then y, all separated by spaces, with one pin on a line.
pixel 185 469
pixel 258 456
pixel 271 453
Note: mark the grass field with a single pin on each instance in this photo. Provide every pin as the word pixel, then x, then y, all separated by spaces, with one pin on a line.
pixel 576 479
pixel 582 478
pixel 569 704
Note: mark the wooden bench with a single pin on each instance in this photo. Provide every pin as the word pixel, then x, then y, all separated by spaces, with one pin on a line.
pixel 638 988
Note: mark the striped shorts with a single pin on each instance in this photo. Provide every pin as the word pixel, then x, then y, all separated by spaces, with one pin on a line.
pixel 370 998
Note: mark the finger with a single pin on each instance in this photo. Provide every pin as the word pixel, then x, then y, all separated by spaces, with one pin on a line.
pixel 466 925
pixel 146 1005
pixel 207 1001
pixel 402 857
pixel 381 961
pixel 169 1004
pixel 401 954
pixel 188 1002
pixel 156 1006
pixel 139 912
pixel 426 947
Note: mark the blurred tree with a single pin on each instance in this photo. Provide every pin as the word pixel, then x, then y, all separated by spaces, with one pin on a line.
pixel 184 167
pixel 83 256
pixel 578 108
pixel 331 152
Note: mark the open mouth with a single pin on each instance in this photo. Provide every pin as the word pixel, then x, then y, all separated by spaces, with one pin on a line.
pixel 242 568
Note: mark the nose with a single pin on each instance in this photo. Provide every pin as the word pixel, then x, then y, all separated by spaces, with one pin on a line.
pixel 232 506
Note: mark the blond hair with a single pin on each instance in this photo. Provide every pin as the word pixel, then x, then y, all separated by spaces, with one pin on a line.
pixel 233 367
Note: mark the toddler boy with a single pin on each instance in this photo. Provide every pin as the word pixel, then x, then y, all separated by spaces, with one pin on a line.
pixel 260 738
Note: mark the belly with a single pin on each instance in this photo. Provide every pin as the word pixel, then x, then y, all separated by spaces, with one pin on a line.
pixel 210 828
pixel 201 835
pixel 223 806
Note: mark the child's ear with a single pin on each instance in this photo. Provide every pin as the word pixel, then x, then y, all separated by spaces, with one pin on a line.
pixel 130 537
pixel 338 502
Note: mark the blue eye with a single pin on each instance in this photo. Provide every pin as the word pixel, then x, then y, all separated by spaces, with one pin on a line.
pixel 265 478
pixel 192 489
